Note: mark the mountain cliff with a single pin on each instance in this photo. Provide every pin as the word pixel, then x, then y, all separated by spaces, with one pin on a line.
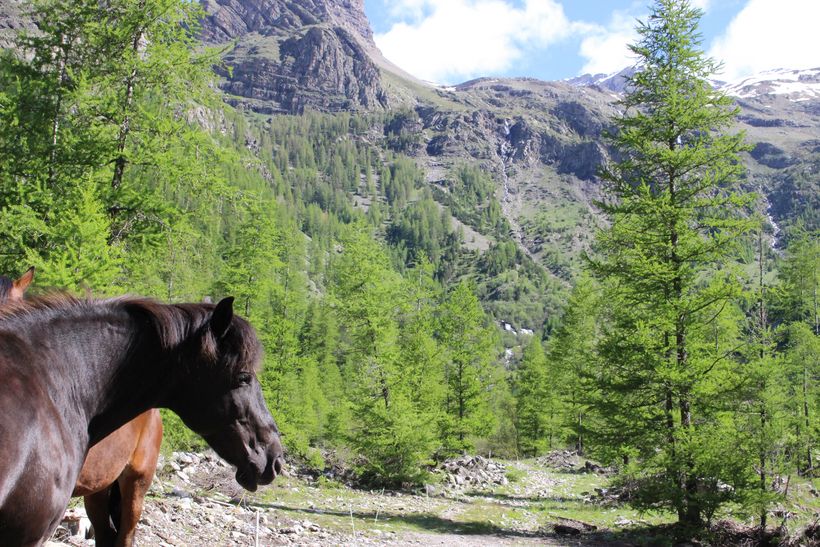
pixel 12 20
pixel 287 56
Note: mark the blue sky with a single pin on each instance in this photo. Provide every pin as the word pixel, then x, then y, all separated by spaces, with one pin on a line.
pixel 450 41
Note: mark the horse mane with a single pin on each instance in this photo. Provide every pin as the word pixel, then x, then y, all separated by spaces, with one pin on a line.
pixel 20 309
pixel 5 288
pixel 173 324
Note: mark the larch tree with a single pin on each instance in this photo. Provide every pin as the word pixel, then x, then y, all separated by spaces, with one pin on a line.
pixel 535 401
pixel 102 95
pixel 390 432
pixel 572 359
pixel 468 343
pixel 664 260
pixel 798 307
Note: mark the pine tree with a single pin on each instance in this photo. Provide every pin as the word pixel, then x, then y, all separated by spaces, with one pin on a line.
pixel 468 342
pixel 535 401
pixel 389 431
pixel 674 222
pixel 572 360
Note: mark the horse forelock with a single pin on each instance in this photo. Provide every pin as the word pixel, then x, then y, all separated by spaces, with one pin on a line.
pixel 177 323
pixel 241 341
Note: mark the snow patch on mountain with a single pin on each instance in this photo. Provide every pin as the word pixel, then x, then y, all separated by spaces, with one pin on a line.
pixel 795 85
pixel 616 81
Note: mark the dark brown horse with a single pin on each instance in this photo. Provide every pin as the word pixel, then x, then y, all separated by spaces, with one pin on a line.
pixel 119 469
pixel 74 371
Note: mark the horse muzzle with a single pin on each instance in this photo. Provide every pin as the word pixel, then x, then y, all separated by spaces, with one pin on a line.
pixel 264 469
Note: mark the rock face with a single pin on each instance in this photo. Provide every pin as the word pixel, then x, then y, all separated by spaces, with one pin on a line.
pixel 12 20
pixel 295 55
pixel 230 19
pixel 324 68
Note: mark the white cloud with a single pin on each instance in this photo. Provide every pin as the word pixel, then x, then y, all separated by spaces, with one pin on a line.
pixel 770 34
pixel 605 48
pixel 702 4
pixel 407 8
pixel 451 40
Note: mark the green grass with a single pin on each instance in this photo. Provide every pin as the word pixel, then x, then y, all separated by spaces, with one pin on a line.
pixel 527 507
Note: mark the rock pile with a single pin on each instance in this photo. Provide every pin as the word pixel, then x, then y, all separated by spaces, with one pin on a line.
pixel 474 471
pixel 563 460
pixel 569 460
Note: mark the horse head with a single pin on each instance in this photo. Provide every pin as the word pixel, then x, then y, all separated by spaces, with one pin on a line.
pixel 227 408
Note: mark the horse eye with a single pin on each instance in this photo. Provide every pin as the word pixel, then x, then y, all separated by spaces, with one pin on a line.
pixel 244 378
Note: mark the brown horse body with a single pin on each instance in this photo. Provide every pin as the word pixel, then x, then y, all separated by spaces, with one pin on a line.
pixel 127 457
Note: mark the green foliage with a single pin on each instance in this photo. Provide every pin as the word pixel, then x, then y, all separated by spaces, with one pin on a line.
pixel 802 368
pixel 471 196
pixel 572 359
pixel 392 432
pixel 514 475
pixel 422 229
pixel 176 436
pixel 665 265
pixel 535 401
pixel 800 275
pixel 79 256
pixel 90 115
pixel 462 329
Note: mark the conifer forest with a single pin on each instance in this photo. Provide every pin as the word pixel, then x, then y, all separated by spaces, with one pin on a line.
pixel 679 346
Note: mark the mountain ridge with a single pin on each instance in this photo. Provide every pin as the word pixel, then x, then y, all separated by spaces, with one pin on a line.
pixel 542 142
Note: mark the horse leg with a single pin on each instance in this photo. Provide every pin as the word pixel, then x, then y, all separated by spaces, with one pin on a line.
pixel 96 506
pixel 135 479
pixel 133 487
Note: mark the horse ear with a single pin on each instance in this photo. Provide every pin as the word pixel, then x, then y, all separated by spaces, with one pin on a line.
pixel 25 280
pixel 222 316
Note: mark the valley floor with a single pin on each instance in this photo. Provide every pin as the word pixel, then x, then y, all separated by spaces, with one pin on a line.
pixel 195 501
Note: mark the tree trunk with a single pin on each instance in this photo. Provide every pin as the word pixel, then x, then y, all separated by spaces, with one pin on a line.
pixel 125 126
pixel 58 107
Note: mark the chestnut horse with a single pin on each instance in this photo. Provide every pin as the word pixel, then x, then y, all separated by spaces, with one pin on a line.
pixel 119 469
pixel 12 290
pixel 74 371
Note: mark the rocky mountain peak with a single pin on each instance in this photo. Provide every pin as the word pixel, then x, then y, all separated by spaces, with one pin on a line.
pixel 231 19
pixel 289 55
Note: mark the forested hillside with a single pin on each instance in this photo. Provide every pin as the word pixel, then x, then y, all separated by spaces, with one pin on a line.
pixel 464 270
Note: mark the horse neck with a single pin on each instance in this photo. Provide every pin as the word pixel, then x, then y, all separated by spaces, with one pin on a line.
pixel 116 370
